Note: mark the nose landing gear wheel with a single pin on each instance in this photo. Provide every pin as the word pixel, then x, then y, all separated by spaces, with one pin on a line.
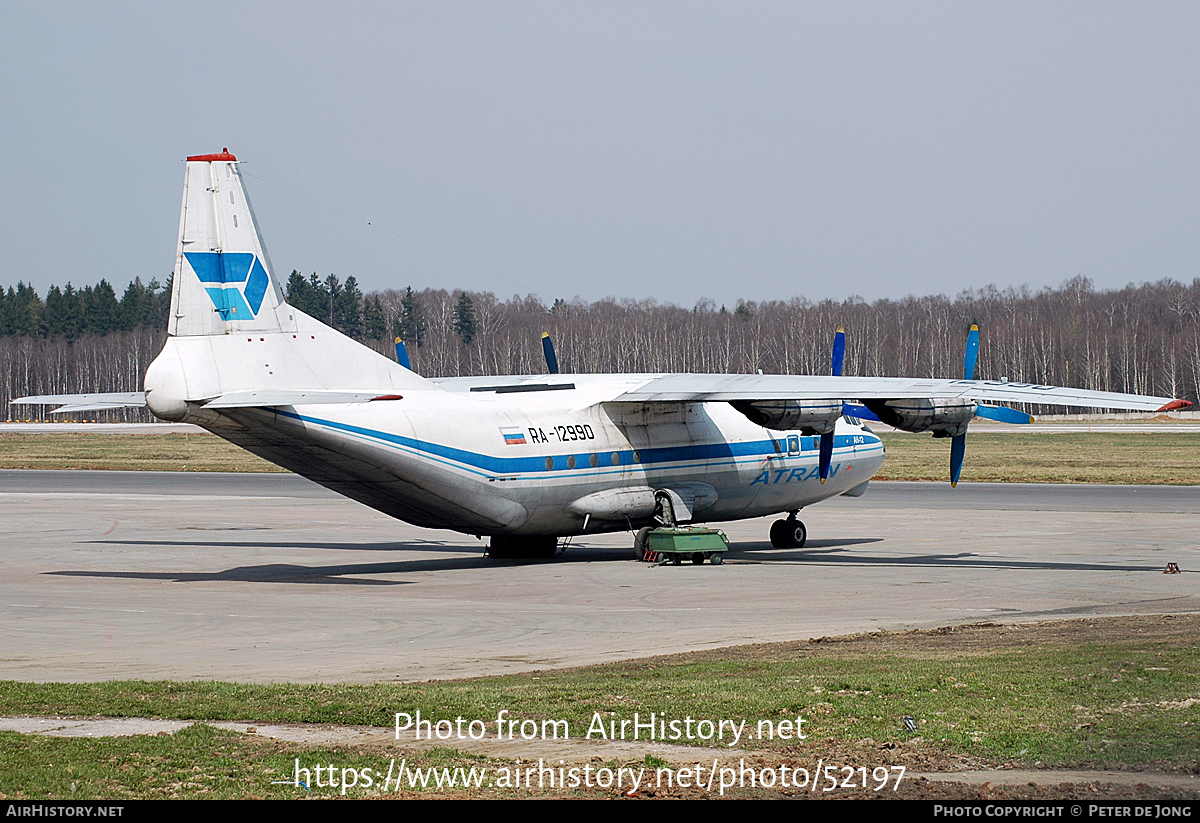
pixel 788 534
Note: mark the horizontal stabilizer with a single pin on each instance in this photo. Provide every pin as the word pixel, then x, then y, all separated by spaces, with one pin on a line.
pixel 86 402
pixel 292 397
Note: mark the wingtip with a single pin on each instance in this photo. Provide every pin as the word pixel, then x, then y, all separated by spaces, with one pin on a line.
pixel 1175 405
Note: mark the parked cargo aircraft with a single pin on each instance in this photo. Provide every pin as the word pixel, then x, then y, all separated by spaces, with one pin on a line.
pixel 523 459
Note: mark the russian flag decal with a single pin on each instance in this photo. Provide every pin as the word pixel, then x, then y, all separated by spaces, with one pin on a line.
pixel 513 437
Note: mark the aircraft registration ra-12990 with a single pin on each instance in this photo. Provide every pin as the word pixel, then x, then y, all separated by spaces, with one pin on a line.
pixel 524 460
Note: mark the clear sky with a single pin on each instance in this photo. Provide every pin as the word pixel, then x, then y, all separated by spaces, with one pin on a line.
pixel 666 150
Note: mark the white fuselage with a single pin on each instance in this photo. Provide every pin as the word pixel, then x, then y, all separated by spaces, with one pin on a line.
pixel 546 461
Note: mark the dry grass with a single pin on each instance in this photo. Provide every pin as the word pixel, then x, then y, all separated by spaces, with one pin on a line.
pixel 199 452
pixel 1099 457
pixel 1095 457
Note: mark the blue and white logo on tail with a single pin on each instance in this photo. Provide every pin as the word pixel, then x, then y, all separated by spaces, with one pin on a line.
pixel 235 281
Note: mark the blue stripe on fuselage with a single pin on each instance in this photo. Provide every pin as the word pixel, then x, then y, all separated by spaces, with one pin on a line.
pixel 486 464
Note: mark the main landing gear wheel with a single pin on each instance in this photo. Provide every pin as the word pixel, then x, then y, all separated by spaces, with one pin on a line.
pixel 788 534
pixel 505 547
pixel 641 543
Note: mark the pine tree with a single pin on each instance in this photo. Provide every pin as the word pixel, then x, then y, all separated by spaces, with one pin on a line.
pixel 412 325
pixel 296 292
pixel 136 308
pixel 160 301
pixel 347 310
pixel 464 318
pixel 374 321
pixel 333 291
pixel 22 311
pixel 103 310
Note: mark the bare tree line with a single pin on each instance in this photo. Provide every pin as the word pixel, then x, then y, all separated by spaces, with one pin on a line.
pixel 1142 339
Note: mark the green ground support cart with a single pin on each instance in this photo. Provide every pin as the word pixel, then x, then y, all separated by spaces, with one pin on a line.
pixel 695 543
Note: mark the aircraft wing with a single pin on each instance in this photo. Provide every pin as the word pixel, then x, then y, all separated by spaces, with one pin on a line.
pixel 761 387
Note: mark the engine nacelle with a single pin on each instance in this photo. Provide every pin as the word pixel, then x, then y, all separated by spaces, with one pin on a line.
pixel 812 417
pixel 945 418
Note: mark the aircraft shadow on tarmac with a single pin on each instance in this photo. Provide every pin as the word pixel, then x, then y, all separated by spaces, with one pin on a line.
pixel 765 552
pixel 968 560
pixel 816 552
pixel 267 573
pixel 297 545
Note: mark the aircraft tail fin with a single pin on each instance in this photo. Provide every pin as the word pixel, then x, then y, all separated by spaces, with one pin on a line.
pixel 223 282
pixel 231 336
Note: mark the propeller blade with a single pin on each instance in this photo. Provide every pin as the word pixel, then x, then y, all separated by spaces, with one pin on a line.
pixel 1003 414
pixel 826 456
pixel 861 412
pixel 839 351
pixel 548 350
pixel 972 353
pixel 402 354
pixel 958 449
pixel 958 446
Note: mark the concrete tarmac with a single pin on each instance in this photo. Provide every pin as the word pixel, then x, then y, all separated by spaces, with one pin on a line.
pixel 261 577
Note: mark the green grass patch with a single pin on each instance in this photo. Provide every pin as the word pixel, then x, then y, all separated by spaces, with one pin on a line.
pixel 1117 693
pixel 202 762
